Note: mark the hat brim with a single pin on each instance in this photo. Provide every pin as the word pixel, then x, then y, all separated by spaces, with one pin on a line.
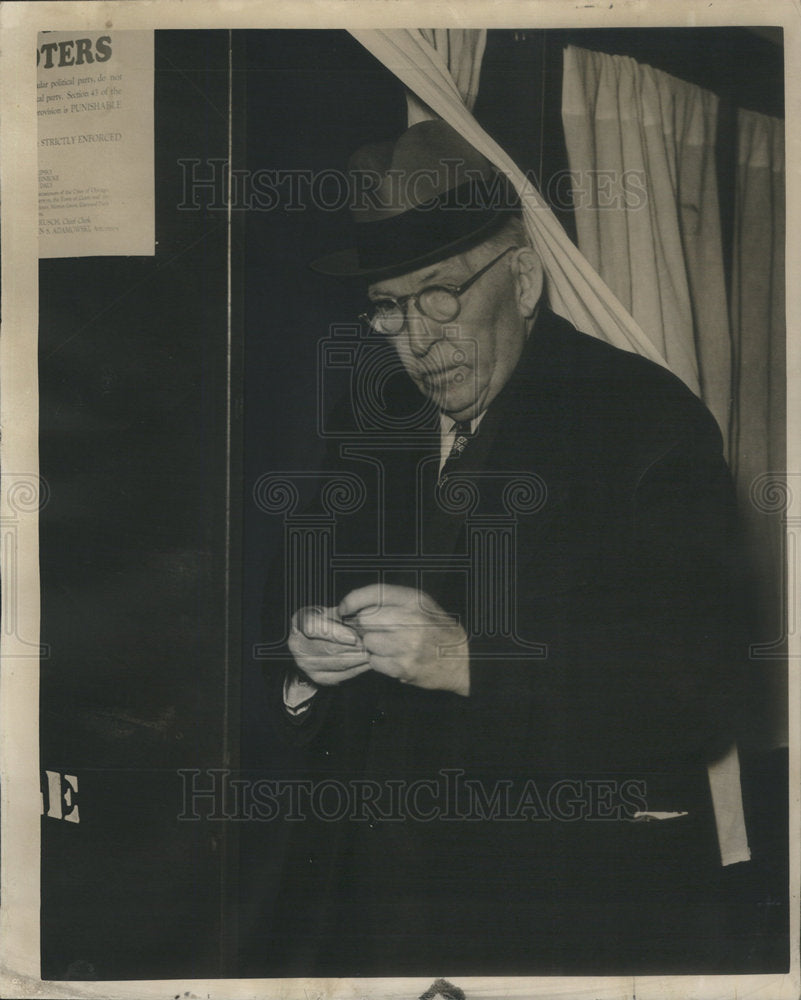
pixel 345 263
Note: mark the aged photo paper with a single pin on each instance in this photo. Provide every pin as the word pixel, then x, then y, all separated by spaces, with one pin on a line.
pixel 95 111
pixel 254 744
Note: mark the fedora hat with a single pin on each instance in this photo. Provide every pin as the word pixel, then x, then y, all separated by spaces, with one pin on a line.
pixel 416 200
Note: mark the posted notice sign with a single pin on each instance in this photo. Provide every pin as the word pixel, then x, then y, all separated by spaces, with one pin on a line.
pixel 95 134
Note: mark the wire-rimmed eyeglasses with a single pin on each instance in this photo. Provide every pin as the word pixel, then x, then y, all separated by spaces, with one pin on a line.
pixel 437 302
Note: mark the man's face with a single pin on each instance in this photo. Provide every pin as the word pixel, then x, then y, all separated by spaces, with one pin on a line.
pixel 461 365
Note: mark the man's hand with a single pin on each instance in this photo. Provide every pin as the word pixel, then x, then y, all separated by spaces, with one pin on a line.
pixel 324 648
pixel 408 636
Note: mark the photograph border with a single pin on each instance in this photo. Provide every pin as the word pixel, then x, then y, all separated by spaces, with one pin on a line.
pixel 19 685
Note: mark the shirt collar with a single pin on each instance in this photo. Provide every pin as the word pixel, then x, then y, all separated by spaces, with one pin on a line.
pixel 447 424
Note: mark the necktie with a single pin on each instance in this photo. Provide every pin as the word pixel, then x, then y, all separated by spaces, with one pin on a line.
pixel 463 435
pixel 442 523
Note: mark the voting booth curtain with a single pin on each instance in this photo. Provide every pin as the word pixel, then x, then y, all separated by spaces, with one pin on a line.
pixel 759 411
pixel 641 149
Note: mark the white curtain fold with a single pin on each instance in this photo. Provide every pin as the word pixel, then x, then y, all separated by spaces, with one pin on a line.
pixel 759 419
pixel 757 304
pixel 575 290
pixel 462 51
pixel 641 150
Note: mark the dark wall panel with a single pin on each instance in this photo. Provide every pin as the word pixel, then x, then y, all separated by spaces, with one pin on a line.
pixel 134 443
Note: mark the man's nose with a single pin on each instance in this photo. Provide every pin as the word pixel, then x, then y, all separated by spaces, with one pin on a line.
pixel 422 331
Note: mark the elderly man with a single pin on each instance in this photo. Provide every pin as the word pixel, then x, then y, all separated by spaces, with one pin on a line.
pixel 522 672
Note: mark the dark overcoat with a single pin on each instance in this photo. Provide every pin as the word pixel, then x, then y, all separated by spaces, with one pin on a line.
pixel 586 539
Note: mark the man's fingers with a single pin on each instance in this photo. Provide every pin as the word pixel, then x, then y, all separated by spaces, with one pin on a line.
pixel 343 635
pixel 377 595
pixel 375 619
pixel 325 678
pixel 386 642
pixel 343 661
pixel 333 632
pixel 322 623
pixel 388 604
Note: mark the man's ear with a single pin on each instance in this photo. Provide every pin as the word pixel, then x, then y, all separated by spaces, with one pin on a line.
pixel 528 272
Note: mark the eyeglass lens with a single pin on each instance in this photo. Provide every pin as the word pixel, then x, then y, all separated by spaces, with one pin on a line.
pixel 436 303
